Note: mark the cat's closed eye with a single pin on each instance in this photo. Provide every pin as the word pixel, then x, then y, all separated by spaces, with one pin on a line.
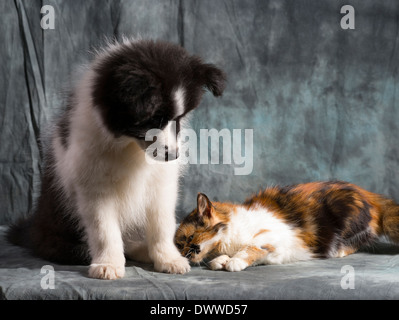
pixel 183 241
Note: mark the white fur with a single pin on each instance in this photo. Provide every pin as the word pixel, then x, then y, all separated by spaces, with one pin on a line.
pixel 170 135
pixel 243 226
pixel 179 101
pixel 125 204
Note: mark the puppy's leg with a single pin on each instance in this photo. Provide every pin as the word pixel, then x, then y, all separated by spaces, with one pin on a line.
pixel 161 228
pixel 104 239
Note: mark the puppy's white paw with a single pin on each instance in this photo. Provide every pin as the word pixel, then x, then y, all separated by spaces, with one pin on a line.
pixel 175 265
pixel 106 271
pixel 219 262
pixel 236 264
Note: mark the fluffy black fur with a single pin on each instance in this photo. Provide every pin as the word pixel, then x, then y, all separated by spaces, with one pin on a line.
pixel 134 86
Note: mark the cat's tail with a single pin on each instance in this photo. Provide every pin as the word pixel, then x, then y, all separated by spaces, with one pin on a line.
pixel 389 220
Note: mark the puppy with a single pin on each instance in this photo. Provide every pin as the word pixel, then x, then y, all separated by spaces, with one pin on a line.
pixel 100 198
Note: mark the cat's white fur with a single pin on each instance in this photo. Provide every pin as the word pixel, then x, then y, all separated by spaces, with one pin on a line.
pixel 120 197
pixel 243 225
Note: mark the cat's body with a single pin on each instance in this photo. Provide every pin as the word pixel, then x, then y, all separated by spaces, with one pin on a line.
pixel 282 225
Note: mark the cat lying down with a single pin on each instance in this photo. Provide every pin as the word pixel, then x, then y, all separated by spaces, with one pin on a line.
pixel 287 224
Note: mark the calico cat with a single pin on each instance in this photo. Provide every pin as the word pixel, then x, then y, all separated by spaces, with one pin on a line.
pixel 286 224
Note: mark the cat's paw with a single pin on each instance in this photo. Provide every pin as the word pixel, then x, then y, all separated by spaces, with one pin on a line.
pixel 236 264
pixel 106 271
pixel 177 265
pixel 219 263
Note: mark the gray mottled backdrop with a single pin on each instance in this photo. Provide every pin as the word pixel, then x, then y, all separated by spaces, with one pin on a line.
pixel 322 101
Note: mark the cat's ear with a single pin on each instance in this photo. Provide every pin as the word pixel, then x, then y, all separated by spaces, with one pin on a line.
pixel 204 206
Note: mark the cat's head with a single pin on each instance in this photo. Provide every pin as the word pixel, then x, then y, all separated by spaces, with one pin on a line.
pixel 200 233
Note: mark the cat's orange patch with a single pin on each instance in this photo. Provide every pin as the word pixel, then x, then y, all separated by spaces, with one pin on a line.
pixel 307 188
pixel 375 223
pixel 308 237
pixel 345 252
pixel 221 212
pixel 254 253
pixel 376 210
pixel 260 232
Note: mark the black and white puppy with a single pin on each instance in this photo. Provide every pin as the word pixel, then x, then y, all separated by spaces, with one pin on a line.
pixel 100 198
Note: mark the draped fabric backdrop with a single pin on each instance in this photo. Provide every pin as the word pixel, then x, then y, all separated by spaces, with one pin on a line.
pixel 322 101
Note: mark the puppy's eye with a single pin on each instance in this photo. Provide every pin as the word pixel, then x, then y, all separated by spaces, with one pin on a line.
pixel 190 238
pixel 179 246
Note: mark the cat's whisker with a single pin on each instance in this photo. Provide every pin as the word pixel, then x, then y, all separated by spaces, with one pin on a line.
pixel 189 253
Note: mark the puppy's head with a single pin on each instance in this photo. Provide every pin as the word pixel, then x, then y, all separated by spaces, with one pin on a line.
pixel 142 85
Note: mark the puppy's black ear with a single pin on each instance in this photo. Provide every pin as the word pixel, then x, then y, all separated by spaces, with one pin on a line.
pixel 214 79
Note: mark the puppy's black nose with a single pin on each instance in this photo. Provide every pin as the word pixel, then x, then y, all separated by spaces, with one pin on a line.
pixel 195 248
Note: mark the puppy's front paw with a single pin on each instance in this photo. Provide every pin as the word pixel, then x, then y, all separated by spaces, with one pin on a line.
pixel 219 262
pixel 106 271
pixel 175 265
pixel 236 264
